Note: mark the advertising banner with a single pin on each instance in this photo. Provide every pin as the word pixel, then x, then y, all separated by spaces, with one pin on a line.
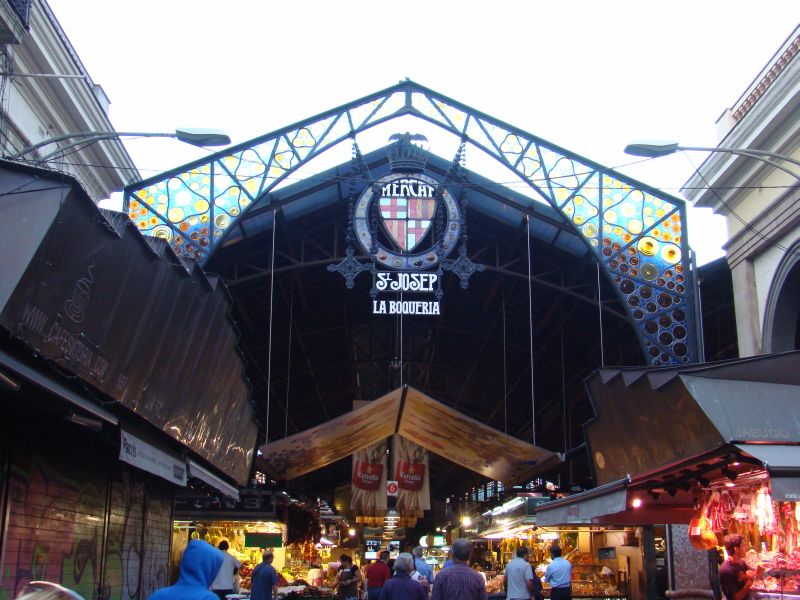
pixel 410 469
pixel 368 481
pixel 140 454
pixel 95 301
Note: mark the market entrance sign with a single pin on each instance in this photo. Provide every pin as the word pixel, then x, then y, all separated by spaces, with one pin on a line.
pixel 408 224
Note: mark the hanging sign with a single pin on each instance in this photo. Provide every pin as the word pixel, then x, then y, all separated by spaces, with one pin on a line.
pixel 410 470
pixel 408 224
pixel 140 454
pixel 368 480
pixel 405 226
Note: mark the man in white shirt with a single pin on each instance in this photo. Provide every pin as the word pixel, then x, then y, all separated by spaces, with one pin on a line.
pixel 223 584
pixel 518 577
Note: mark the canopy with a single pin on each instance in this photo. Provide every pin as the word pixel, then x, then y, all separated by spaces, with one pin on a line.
pixel 670 415
pixel 82 289
pixel 410 413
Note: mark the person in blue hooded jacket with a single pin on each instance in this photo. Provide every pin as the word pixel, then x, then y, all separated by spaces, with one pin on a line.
pixel 200 564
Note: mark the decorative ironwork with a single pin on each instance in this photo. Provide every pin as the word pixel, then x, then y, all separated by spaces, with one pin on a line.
pixel 350 267
pixel 463 266
pixel 637 232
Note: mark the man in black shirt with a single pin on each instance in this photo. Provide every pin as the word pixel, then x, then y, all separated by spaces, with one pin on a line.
pixel 734 578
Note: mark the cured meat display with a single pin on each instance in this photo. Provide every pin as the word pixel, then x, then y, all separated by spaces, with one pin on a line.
pixel 770 531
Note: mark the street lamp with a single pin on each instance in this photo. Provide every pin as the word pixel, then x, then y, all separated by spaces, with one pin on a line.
pixel 654 149
pixel 196 137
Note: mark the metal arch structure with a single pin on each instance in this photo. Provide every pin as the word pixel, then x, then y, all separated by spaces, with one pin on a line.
pixel 637 233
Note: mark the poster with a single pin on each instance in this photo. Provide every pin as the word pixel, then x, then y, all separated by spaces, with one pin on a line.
pixel 368 483
pixel 410 469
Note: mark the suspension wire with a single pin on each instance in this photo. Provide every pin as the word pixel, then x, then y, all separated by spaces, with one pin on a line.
pixel 289 359
pixel 563 382
pixel 530 327
pixel 402 364
pixel 505 369
pixel 600 316
pixel 271 303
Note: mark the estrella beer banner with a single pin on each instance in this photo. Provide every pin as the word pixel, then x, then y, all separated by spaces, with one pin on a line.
pixel 368 483
pixel 410 469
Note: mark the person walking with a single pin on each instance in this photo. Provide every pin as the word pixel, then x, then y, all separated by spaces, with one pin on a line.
pixel 264 580
pixel 459 582
pixel 199 566
pixel 518 578
pixel 423 568
pixel 402 586
pixel 223 582
pixel 559 575
pixel 377 575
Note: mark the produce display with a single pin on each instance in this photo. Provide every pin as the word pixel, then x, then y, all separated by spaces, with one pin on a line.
pixel 310 594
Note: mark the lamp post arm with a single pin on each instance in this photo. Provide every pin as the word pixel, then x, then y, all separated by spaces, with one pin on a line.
pixel 761 155
pixel 94 135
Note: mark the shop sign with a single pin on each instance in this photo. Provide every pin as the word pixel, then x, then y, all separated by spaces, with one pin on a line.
pixel 262 540
pixel 148 458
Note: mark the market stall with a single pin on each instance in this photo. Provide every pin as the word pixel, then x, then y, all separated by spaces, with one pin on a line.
pixel 247 540
pixel 748 501
pixel 602 558
pixel 715 447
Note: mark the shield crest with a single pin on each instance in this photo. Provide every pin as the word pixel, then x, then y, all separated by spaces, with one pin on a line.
pixel 407 220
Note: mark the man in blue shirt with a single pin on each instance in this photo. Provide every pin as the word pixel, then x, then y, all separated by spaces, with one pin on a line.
pixel 559 576
pixel 264 581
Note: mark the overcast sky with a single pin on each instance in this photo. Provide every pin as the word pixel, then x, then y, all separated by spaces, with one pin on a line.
pixel 587 76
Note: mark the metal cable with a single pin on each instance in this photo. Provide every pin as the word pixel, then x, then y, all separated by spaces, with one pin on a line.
pixel 530 327
pixel 402 365
pixel 289 360
pixel 271 303
pixel 505 367
pixel 600 313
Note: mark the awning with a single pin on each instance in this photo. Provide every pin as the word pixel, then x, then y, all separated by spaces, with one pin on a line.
pixel 783 465
pixel 583 507
pixel 82 289
pixel 417 417
pixel 509 528
pixel 53 386
pixel 208 477
pixel 672 415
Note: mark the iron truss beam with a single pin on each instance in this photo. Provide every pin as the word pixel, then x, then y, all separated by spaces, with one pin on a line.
pixel 637 233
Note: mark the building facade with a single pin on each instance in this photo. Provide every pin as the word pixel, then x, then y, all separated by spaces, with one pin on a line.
pixel 760 197
pixel 46 92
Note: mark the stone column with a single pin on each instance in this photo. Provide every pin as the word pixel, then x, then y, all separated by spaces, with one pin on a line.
pixel 745 299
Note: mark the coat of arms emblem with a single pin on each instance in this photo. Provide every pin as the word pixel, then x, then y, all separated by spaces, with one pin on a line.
pixel 420 223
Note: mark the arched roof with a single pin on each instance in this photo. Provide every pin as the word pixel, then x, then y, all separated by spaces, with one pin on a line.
pixel 636 233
